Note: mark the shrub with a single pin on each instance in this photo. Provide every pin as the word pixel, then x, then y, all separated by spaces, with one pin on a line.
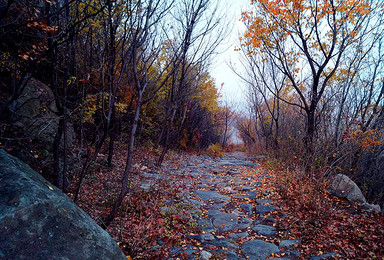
pixel 215 150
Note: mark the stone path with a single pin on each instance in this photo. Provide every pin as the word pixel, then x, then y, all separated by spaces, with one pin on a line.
pixel 235 220
pixel 233 213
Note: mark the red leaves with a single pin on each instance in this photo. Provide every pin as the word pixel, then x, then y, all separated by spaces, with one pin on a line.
pixel 325 223
pixel 142 221
pixel 83 81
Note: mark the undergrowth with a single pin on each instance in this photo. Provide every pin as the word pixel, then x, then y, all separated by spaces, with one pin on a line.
pixel 324 223
pixel 150 220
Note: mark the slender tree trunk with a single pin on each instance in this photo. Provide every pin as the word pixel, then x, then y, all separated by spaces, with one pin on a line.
pixel 112 137
pixel 124 189
pixel 167 138
pixel 310 133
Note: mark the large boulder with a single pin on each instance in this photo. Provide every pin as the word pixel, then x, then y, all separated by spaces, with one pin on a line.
pixel 38 221
pixel 35 113
pixel 343 187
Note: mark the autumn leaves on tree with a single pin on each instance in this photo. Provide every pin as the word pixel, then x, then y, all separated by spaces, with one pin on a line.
pixel 303 53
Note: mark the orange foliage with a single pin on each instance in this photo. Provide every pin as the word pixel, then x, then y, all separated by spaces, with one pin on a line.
pixel 367 140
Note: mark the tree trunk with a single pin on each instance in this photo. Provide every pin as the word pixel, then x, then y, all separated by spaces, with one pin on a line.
pixel 124 189
pixel 310 133
pixel 167 138
pixel 112 137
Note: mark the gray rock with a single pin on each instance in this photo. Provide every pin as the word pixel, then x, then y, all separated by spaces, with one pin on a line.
pixel 371 207
pixel 324 256
pixel 252 194
pixel 206 225
pixel 262 209
pixel 249 164
pixel 230 255
pixel 269 220
pixel 35 112
pixel 224 221
pixel 258 249
pixel 238 235
pixel 180 250
pixel 196 202
pixel 246 188
pixel 213 212
pixel 294 253
pixel 247 208
pixel 38 221
pixel 226 254
pixel 264 230
pixel 244 223
pixel 203 237
pixel 343 187
pixel 264 201
pixel 258 157
pixel 289 243
pixel 217 206
pixel 216 170
pixel 222 242
pixel 205 255
pixel 211 195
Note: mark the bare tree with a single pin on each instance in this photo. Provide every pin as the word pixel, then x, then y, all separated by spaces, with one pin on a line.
pixel 198 23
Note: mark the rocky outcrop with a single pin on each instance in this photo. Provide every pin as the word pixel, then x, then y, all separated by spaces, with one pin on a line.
pixel 38 221
pixel 343 187
pixel 34 116
pixel 35 111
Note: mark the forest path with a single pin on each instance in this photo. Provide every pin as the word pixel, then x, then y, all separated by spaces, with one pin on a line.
pixel 233 211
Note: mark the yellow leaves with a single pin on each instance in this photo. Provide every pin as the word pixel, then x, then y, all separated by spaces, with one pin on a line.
pixel 215 150
pixel 121 107
pixel 207 94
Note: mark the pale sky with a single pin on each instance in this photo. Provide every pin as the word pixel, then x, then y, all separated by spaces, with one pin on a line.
pixel 233 89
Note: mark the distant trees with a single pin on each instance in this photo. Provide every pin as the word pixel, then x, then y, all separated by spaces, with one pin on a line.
pixel 119 70
pixel 195 24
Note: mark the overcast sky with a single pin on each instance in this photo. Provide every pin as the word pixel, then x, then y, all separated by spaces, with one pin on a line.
pixel 232 89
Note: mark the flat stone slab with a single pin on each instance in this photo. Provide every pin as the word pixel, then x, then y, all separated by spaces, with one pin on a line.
pixel 216 206
pixel 222 242
pixel 252 194
pixel 246 188
pixel 180 250
pixel 247 208
pixel 262 209
pixel 264 230
pixel 248 164
pixel 263 201
pixel 258 249
pixel 244 223
pixel 324 256
pixel 226 254
pixel 203 237
pixel 206 225
pixel 195 202
pixel 225 221
pixel 238 235
pixel 289 243
pixel 211 195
